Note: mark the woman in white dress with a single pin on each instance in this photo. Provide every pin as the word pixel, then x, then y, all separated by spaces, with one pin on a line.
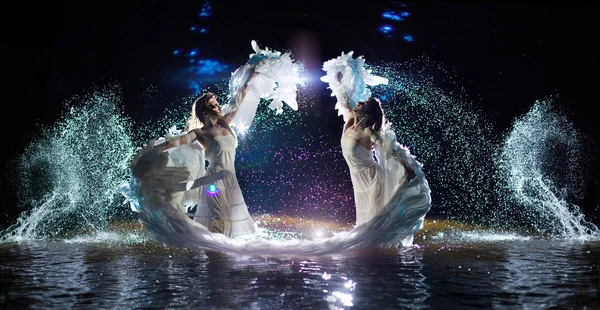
pixel 391 193
pixel 221 206
pixel 369 181
pixel 169 175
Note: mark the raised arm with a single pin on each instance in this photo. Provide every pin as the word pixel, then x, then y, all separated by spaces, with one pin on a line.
pixel 238 96
pixel 345 110
pixel 349 118
pixel 343 102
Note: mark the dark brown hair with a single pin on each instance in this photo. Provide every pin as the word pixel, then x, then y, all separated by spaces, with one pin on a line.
pixel 375 114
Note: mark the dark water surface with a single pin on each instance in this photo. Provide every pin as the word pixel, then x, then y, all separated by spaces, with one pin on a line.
pixel 466 271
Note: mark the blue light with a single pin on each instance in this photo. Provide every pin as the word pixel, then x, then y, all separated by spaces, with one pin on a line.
pixel 386 29
pixel 405 14
pixel 177 51
pixel 193 52
pixel 210 67
pixel 194 86
pixel 206 10
pixel 197 71
pixel 408 38
pixel 391 15
pixel 198 29
pixel 212 190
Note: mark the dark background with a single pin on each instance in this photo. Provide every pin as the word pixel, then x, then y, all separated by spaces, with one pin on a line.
pixel 507 55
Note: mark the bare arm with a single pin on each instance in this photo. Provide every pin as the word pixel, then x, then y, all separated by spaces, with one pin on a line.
pixel 237 99
pixel 194 134
pixel 345 109
pixel 342 101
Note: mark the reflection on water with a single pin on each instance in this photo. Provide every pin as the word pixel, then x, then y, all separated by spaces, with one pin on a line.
pixel 463 271
pixel 548 274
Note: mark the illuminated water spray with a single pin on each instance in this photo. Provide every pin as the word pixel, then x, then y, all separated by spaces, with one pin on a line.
pixel 543 162
pixel 290 163
pixel 476 174
pixel 447 132
pixel 69 174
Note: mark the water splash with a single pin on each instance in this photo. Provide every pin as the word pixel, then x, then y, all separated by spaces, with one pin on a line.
pixel 450 135
pixel 543 163
pixel 67 177
pixel 461 149
pixel 484 236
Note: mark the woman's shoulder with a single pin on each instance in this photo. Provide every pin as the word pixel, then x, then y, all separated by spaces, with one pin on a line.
pixel 358 133
pixel 197 131
pixel 366 132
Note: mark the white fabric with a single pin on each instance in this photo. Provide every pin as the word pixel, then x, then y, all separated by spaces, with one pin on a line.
pixel 277 81
pixel 190 156
pixel 367 180
pixel 394 225
pixel 351 88
pixel 152 197
pixel 394 170
pixel 156 172
pixel 374 182
pixel 227 208
pixel 407 201
pixel 383 196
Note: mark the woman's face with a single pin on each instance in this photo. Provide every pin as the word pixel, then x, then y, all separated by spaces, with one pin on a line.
pixel 212 106
pixel 361 108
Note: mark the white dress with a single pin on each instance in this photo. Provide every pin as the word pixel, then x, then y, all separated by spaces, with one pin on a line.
pixel 222 208
pixel 374 179
pixel 367 180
